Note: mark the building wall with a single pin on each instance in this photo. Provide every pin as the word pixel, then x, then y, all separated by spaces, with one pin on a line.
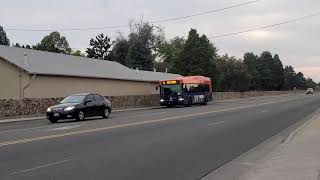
pixel 61 86
pixel 12 80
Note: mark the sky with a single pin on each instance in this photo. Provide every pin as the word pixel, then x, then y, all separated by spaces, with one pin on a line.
pixel 297 43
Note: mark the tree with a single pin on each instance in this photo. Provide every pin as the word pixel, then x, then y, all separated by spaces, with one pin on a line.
pixel 23 46
pixel 17 45
pixel 232 74
pixel 251 61
pixel 197 57
pixel 99 47
pixel 167 54
pixel 54 42
pixel 289 78
pixel 120 50
pixel 300 80
pixel 139 56
pixel 144 39
pixel 77 53
pixel 277 73
pixel 27 46
pixel 265 63
pixel 4 40
pixel 310 83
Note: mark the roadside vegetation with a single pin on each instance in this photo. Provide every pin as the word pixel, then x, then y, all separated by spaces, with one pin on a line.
pixel 146 48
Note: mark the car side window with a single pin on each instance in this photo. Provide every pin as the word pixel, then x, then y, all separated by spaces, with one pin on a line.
pixel 90 98
pixel 98 97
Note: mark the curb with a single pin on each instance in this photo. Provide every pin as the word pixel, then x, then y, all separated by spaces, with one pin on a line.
pixel 293 134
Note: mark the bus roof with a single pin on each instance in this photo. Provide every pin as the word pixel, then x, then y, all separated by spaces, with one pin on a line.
pixel 193 80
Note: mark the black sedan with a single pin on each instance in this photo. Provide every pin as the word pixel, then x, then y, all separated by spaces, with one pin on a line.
pixel 80 106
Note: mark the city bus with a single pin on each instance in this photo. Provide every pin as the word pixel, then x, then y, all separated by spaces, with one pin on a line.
pixel 185 91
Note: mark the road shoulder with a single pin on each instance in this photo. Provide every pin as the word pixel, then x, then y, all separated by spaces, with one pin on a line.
pixel 291 154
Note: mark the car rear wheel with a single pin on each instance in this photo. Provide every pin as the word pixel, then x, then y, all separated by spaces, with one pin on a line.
pixel 80 116
pixel 106 113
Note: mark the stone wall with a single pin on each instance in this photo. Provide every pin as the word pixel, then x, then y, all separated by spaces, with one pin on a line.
pixel 242 95
pixel 37 107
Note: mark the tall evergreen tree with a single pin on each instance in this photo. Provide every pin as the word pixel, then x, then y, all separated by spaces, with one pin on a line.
pixel 100 47
pixel 251 61
pixel 197 57
pixel 265 63
pixel 277 73
pixel 289 78
pixel 4 40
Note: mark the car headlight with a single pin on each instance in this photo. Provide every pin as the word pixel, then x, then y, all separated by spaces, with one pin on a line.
pixel 49 110
pixel 161 100
pixel 69 108
pixel 181 99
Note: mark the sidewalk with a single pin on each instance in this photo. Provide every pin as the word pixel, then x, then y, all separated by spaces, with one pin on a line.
pixel 296 159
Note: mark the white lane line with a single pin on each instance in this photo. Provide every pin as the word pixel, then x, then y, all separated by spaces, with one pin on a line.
pixel 141 115
pixel 64 128
pixel 217 123
pixel 39 167
pixel 264 111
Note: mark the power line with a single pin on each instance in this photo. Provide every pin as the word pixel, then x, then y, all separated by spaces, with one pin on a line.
pixel 259 28
pixel 126 26
pixel 266 27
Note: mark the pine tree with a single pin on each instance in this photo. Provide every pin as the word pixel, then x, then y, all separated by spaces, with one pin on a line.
pixel 4 40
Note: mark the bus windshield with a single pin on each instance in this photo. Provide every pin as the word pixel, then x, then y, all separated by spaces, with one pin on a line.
pixel 171 90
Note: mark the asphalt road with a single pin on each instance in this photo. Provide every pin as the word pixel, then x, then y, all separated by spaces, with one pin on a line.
pixel 176 143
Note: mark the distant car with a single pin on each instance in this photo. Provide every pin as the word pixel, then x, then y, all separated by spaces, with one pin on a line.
pixel 309 91
pixel 80 106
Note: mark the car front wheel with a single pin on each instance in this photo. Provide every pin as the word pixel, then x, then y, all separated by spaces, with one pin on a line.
pixel 80 116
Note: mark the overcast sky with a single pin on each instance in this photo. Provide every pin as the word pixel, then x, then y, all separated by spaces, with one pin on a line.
pixel 297 43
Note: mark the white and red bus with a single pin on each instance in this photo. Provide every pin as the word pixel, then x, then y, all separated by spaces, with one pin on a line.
pixel 185 91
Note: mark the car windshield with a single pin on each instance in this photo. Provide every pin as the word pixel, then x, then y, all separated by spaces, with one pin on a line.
pixel 73 99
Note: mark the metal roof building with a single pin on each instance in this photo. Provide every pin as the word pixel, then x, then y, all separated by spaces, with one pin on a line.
pixel 31 73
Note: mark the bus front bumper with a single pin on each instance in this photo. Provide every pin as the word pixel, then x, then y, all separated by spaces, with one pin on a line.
pixel 165 102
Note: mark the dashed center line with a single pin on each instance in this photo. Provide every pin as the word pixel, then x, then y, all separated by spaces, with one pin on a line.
pixel 214 124
pixel 264 111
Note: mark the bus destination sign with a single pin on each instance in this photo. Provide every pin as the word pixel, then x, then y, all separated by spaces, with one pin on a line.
pixel 170 82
